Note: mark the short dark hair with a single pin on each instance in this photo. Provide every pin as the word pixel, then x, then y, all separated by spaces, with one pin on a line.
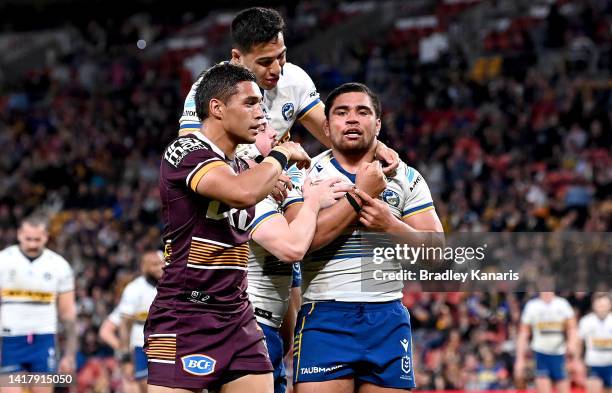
pixel 219 82
pixel 36 220
pixel 254 26
pixel 352 88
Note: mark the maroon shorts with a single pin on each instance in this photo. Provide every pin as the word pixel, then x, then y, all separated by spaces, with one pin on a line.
pixel 198 350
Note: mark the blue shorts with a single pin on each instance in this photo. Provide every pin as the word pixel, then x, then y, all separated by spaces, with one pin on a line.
pixel 296 279
pixel 550 366
pixel 34 354
pixel 274 343
pixel 141 366
pixel 602 372
pixel 371 342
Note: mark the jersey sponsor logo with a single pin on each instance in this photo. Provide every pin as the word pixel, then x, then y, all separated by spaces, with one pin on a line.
pixel 413 186
pixel 406 364
pixel 319 370
pixel 404 343
pixel 265 314
pixel 198 297
pixel 288 111
pixel 198 364
pixel 178 149
pixel 313 94
pixel 188 113
pixel 391 197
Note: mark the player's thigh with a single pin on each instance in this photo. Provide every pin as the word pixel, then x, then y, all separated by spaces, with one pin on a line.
pixel 341 385
pixel 251 383
pixel 594 385
pixel 543 385
pixel 165 389
pixel 367 387
pixel 563 386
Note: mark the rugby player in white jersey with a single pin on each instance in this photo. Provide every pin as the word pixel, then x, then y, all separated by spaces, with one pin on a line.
pixel 134 308
pixel 353 333
pixel 37 287
pixel 109 334
pixel 289 94
pixel 551 322
pixel 595 330
pixel 281 233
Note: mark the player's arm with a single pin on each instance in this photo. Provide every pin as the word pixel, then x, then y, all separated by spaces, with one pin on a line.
pixel 125 327
pixel 313 121
pixel 332 221
pixel 218 181
pixel 108 334
pixel 573 340
pixel 288 325
pixel 424 227
pixel 288 240
pixel 522 342
pixel 67 311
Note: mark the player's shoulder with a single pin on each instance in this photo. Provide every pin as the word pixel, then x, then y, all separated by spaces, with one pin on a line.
pixel 319 162
pixel 561 301
pixel 9 251
pixel 587 319
pixel 185 145
pixel 294 75
pixel 55 258
pixel 135 283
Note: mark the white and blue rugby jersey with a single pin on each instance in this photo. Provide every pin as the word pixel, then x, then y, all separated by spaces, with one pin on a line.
pixel 597 336
pixel 343 270
pixel 293 97
pixel 270 279
pixel 30 289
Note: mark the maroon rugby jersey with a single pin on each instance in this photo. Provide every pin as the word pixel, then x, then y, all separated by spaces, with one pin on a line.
pixel 206 242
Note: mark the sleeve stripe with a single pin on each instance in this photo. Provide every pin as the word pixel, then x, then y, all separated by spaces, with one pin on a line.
pixel 261 219
pixel 417 209
pixel 196 169
pixel 293 201
pixel 308 108
pixel 193 183
pixel 190 125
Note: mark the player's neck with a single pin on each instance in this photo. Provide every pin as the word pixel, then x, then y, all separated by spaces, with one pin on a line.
pixel 351 162
pixel 221 139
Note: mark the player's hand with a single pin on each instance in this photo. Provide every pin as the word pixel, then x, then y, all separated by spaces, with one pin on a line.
pixel 282 186
pixel 325 192
pixel 389 157
pixel 375 214
pixel 67 364
pixel 370 178
pixel 298 154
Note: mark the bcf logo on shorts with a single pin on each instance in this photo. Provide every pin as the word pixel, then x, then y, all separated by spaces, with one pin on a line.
pixel 198 364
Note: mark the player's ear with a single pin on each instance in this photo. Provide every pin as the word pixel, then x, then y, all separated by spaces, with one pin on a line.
pixel 378 125
pixel 236 56
pixel 326 128
pixel 216 108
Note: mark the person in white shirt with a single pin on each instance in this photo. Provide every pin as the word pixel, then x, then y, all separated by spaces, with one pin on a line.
pixel 280 234
pixel 134 308
pixel 353 332
pixel 550 320
pixel 289 94
pixel 37 287
pixel 595 331
pixel 109 334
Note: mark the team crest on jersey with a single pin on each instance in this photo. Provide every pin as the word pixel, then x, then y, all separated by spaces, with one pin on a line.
pixel 288 111
pixel 406 364
pixel 391 197
pixel 198 364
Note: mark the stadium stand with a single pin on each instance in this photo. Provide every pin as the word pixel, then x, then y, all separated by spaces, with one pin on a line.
pixel 512 132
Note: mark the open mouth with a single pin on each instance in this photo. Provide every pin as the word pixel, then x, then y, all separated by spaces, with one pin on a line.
pixel 352 133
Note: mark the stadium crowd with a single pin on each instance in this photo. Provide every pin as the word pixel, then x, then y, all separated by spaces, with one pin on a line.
pixel 518 151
